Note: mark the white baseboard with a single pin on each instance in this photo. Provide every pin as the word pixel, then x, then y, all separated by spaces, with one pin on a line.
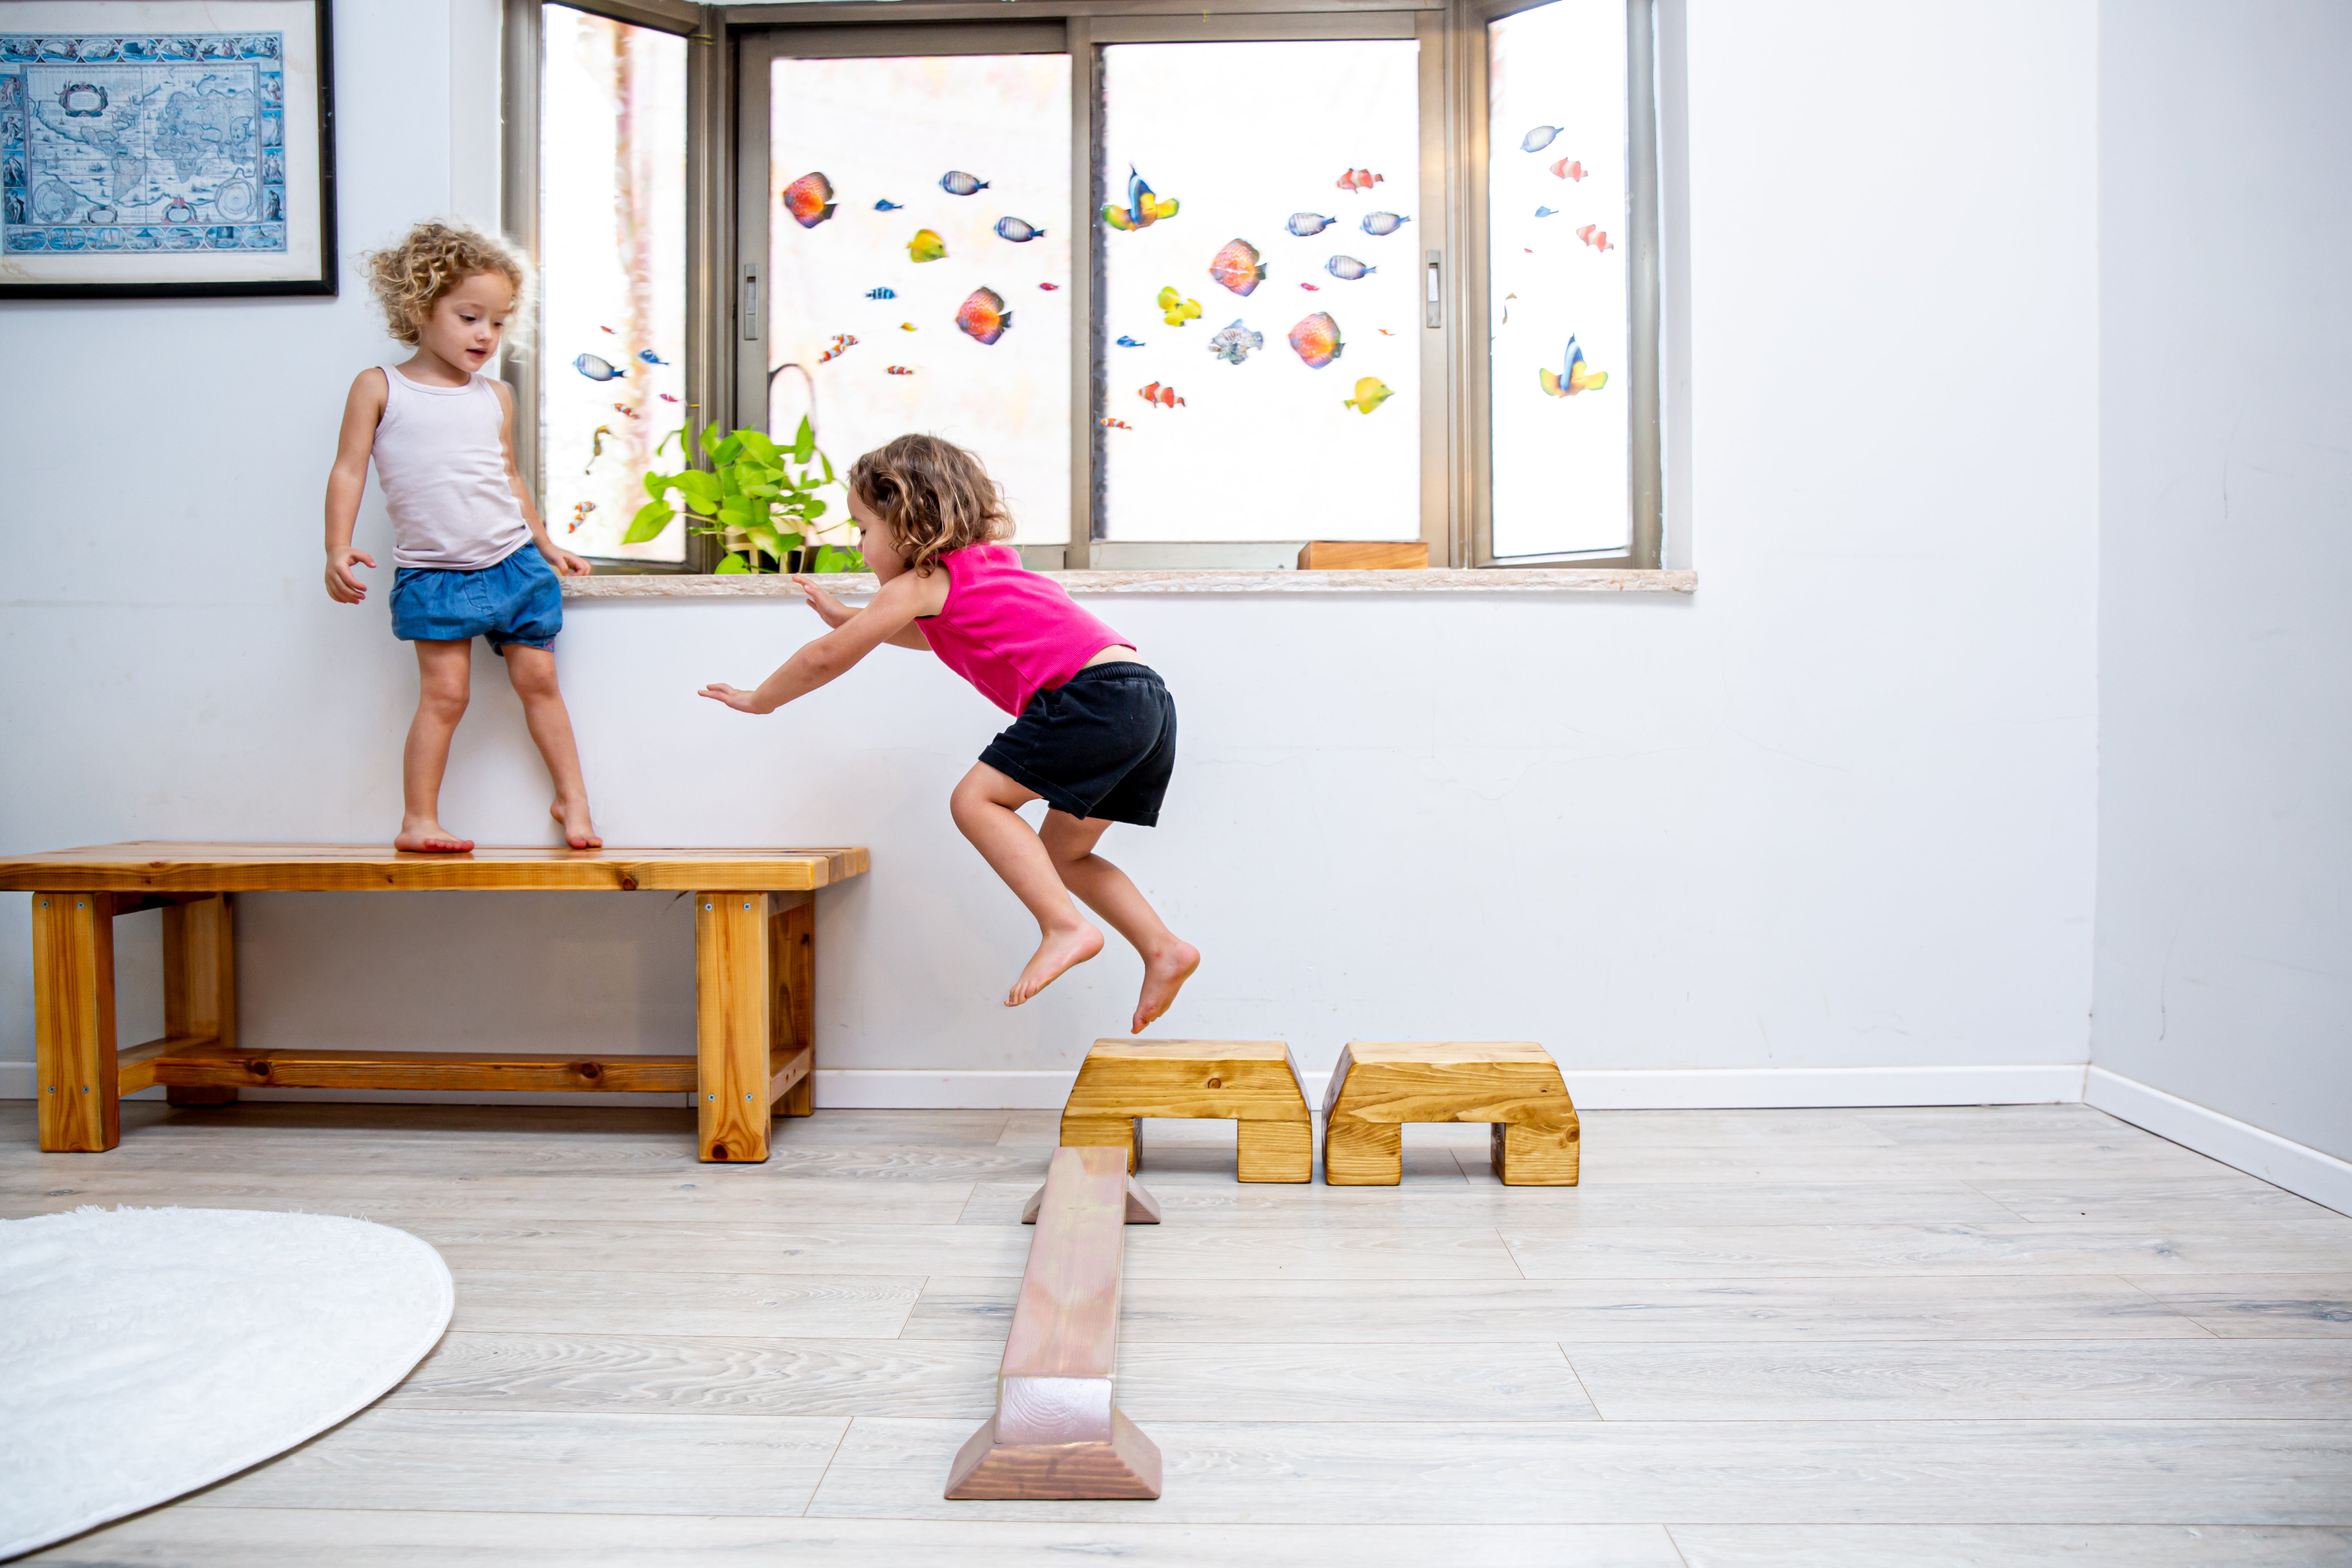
pixel 1599 1088
pixel 2300 1169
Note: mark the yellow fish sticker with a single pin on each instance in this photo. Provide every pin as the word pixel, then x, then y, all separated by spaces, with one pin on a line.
pixel 1581 377
pixel 1370 393
pixel 1177 308
pixel 1142 210
pixel 927 246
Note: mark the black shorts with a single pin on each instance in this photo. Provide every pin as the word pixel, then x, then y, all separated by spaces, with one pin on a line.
pixel 1102 744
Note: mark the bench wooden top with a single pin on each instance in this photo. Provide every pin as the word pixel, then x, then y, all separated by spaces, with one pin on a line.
pixel 159 867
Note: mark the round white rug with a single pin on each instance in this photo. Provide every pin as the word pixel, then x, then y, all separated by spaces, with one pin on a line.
pixel 150 1352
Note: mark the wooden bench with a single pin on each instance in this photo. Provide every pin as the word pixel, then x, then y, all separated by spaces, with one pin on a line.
pixel 1055 1434
pixel 1514 1085
pixel 754 964
pixel 1252 1083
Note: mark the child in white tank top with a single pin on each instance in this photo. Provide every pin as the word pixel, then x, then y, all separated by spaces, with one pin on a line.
pixel 473 557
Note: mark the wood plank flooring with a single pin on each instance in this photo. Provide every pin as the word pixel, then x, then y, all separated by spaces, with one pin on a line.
pixel 2020 1335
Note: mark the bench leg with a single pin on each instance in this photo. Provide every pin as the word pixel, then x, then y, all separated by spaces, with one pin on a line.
pixel 200 984
pixel 1273 1150
pixel 1525 1156
pixel 1359 1153
pixel 734 995
pixel 791 959
pixel 73 1022
pixel 1106 1132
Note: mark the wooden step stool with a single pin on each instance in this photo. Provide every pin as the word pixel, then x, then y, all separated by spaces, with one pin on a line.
pixel 1515 1085
pixel 1252 1083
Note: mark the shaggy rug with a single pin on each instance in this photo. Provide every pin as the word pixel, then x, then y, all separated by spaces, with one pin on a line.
pixel 150 1352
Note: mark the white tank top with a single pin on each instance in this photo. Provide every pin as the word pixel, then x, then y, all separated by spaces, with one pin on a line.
pixel 442 460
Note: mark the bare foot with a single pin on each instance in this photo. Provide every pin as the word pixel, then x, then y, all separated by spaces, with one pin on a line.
pixel 579 828
pixel 1059 951
pixel 1164 974
pixel 426 836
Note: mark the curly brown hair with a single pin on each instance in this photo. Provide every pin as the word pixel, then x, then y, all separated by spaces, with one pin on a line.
pixel 409 278
pixel 932 495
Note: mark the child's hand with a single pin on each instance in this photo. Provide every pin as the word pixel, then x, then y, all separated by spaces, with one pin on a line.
pixel 570 565
pixel 741 700
pixel 341 586
pixel 832 610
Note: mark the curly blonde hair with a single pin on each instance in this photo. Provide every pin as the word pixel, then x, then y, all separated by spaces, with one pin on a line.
pixel 932 495
pixel 409 278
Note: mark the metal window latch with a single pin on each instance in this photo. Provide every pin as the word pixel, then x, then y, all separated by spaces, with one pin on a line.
pixel 750 301
pixel 1434 300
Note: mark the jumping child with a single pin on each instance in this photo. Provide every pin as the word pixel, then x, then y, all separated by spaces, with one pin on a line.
pixel 473 557
pixel 1094 733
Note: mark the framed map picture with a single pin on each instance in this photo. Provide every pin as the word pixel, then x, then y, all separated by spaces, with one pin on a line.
pixel 165 147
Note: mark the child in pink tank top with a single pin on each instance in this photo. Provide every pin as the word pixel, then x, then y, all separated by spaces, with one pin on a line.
pixel 1093 730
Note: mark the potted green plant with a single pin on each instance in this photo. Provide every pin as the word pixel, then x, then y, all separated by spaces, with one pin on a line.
pixel 761 498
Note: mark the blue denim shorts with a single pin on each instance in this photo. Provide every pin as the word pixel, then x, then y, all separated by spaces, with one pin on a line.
pixel 517 600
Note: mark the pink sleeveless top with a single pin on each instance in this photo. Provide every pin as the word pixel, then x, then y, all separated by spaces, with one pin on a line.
pixel 1009 631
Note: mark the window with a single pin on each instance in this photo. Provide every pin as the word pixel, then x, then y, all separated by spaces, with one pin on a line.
pixel 1199 287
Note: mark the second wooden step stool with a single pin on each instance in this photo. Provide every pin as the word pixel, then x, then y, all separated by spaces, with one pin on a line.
pixel 1252 1083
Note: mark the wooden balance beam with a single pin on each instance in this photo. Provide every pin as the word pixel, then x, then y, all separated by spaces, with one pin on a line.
pixel 1056 1435
pixel 754 961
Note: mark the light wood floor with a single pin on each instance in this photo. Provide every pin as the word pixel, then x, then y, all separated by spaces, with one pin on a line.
pixel 2014 1336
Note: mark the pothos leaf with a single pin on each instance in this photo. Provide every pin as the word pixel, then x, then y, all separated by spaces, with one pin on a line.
pixel 651 519
pixel 730 565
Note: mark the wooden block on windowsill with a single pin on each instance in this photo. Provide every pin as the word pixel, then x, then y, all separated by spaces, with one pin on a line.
pixel 1331 555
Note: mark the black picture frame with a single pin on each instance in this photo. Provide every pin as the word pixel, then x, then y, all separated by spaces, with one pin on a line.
pixel 327 282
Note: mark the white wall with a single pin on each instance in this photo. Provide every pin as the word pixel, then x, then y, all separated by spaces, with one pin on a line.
pixel 1834 811
pixel 2226 570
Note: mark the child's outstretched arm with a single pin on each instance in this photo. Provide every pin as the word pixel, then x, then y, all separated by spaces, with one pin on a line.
pixel 347 483
pixel 894 610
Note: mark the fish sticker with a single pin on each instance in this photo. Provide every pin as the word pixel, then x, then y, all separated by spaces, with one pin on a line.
pixel 809 199
pixel 649 357
pixel 1307 225
pixel 1049 287
pixel 897 370
pixel 1312 288
pixel 1506 308
pixel 1177 308
pixel 1127 342
pixel 1117 425
pixel 665 397
pixel 1547 212
pixel 608 331
pixel 881 293
pixel 982 315
pixel 1360 179
pixel 1236 343
pixel 595 449
pixel 1316 340
pixel 906 326
pixel 1386 333
pixel 1018 231
pixel 1579 376
pixel 1593 236
pixel 842 344
pixel 1370 393
pixel 580 515
pixel 927 246
pixel 625 410
pixel 1142 210
pixel 1568 169
pixel 1347 268
pixel 1238 266
pixel 1159 396
pixel 886 205
pixel 1539 139
pixel 596 367
pixel 956 182
pixel 1385 223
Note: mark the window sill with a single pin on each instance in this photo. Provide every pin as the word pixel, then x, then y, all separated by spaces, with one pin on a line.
pixel 1493 580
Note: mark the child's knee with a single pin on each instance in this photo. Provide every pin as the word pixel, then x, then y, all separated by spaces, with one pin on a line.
pixel 443 700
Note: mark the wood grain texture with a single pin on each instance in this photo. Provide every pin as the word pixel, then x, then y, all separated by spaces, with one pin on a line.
pixel 2009 1545
pixel 1055 1432
pixel 1253 1083
pixel 305 1538
pixel 73 1021
pixel 735 1025
pixel 205 1065
pixel 631 1300
pixel 199 986
pixel 2182 1380
pixel 791 962
pixel 1378 1085
pixel 141 867
pixel 2260 1306
pixel 1344 556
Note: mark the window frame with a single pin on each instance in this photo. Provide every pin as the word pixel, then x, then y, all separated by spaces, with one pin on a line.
pixel 727 218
